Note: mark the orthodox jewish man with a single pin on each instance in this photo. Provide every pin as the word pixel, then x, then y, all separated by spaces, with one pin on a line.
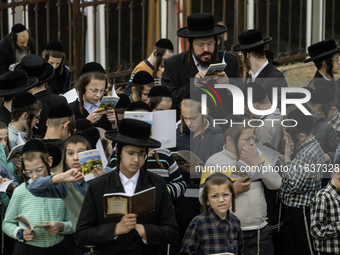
pixel 201 33
pixel 129 234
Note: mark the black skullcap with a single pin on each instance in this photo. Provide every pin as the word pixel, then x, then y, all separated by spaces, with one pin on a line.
pixel 59 111
pixel 322 95
pixel 165 44
pixel 83 124
pixel 218 175
pixel 23 99
pixel 92 134
pixel 138 106
pixel 258 92
pixel 18 28
pixel 55 46
pixel 34 145
pixel 159 91
pixel 304 122
pixel 92 67
pixel 142 78
pixel 54 152
pixel 124 101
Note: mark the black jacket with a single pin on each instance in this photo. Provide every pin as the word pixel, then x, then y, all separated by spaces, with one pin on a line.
pixel 7 52
pixel 178 71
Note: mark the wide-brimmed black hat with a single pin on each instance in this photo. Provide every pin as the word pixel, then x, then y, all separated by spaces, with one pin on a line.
pixel 13 82
pixel 201 25
pixel 322 50
pixel 249 40
pixel 135 133
pixel 35 66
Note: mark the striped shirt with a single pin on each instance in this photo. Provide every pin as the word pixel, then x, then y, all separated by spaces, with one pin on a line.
pixel 325 220
pixel 37 210
pixel 301 179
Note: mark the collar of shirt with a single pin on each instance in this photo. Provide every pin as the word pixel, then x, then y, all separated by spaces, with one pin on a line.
pixel 91 107
pixel 334 190
pixel 254 75
pixel 228 153
pixel 335 120
pixel 198 65
pixel 129 184
pixel 216 219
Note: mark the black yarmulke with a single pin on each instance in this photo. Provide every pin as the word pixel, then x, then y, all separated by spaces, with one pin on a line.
pixel 159 91
pixel 304 122
pixel 83 124
pixel 322 95
pixel 23 99
pixel 258 92
pixel 92 67
pixel 142 78
pixel 55 46
pixel 18 28
pixel 60 111
pixel 34 145
pixel 54 152
pixel 165 44
pixel 92 134
pixel 124 101
pixel 138 106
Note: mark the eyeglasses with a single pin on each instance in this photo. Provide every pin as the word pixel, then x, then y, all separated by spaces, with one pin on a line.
pixel 95 91
pixel 38 171
pixel 248 139
pixel 140 155
pixel 336 60
pixel 37 117
pixel 223 195
pixel 201 45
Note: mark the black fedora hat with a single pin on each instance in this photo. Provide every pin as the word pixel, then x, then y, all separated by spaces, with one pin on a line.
pixel 13 82
pixel 35 66
pixel 249 40
pixel 201 25
pixel 135 133
pixel 322 50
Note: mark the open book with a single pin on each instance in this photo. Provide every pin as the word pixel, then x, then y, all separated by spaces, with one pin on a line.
pixel 15 153
pixel 21 218
pixel 241 170
pixel 186 157
pixel 4 186
pixel 214 69
pixel 119 204
pixel 88 161
pixel 108 102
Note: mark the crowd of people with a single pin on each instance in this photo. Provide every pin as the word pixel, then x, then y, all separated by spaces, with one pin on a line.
pixel 285 202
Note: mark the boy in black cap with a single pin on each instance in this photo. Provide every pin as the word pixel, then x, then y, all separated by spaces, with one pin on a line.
pixel 159 98
pixel 14 46
pixel 141 85
pixel 130 234
pixel 35 66
pixel 26 111
pixel 162 50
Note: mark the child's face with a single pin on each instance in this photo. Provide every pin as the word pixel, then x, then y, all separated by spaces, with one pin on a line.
pixel 193 118
pixel 3 137
pixel 219 199
pixel 71 158
pixel 131 159
pixel 35 119
pixel 144 97
pixel 163 105
pixel 94 91
pixel 55 62
pixel 35 168
pixel 246 138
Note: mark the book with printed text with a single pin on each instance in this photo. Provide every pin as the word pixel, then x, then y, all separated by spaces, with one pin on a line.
pixel 109 102
pixel 88 161
pixel 22 219
pixel 214 69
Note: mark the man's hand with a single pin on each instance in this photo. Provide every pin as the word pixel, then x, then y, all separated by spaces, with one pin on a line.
pixel 55 228
pixel 242 185
pixel 126 224
pixel 72 175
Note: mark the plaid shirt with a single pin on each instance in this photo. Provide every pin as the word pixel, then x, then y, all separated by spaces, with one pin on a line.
pixel 209 234
pixel 299 182
pixel 335 122
pixel 325 220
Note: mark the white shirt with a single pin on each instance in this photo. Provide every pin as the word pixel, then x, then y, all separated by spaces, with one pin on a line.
pixel 129 184
pixel 254 75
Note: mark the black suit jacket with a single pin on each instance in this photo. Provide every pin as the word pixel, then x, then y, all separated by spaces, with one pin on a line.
pixel 271 77
pixel 48 100
pixel 93 229
pixel 178 71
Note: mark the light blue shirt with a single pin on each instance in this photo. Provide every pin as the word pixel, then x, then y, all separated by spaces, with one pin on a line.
pixel 91 107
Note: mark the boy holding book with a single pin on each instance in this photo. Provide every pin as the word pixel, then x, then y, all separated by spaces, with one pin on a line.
pixel 129 234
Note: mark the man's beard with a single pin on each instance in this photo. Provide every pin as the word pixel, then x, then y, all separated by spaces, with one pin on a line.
pixel 21 50
pixel 205 63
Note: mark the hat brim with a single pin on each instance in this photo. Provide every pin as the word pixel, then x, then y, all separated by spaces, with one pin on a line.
pixel 246 47
pixel 31 83
pixel 122 139
pixel 184 32
pixel 49 72
pixel 322 56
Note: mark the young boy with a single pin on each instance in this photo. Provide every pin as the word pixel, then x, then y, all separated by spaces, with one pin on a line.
pixel 129 234
pixel 141 85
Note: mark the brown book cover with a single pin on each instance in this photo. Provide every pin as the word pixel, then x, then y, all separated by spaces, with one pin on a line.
pixel 119 204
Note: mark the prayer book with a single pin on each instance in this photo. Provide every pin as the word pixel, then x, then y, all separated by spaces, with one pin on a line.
pixel 214 69
pixel 88 161
pixel 108 103
pixel 22 219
